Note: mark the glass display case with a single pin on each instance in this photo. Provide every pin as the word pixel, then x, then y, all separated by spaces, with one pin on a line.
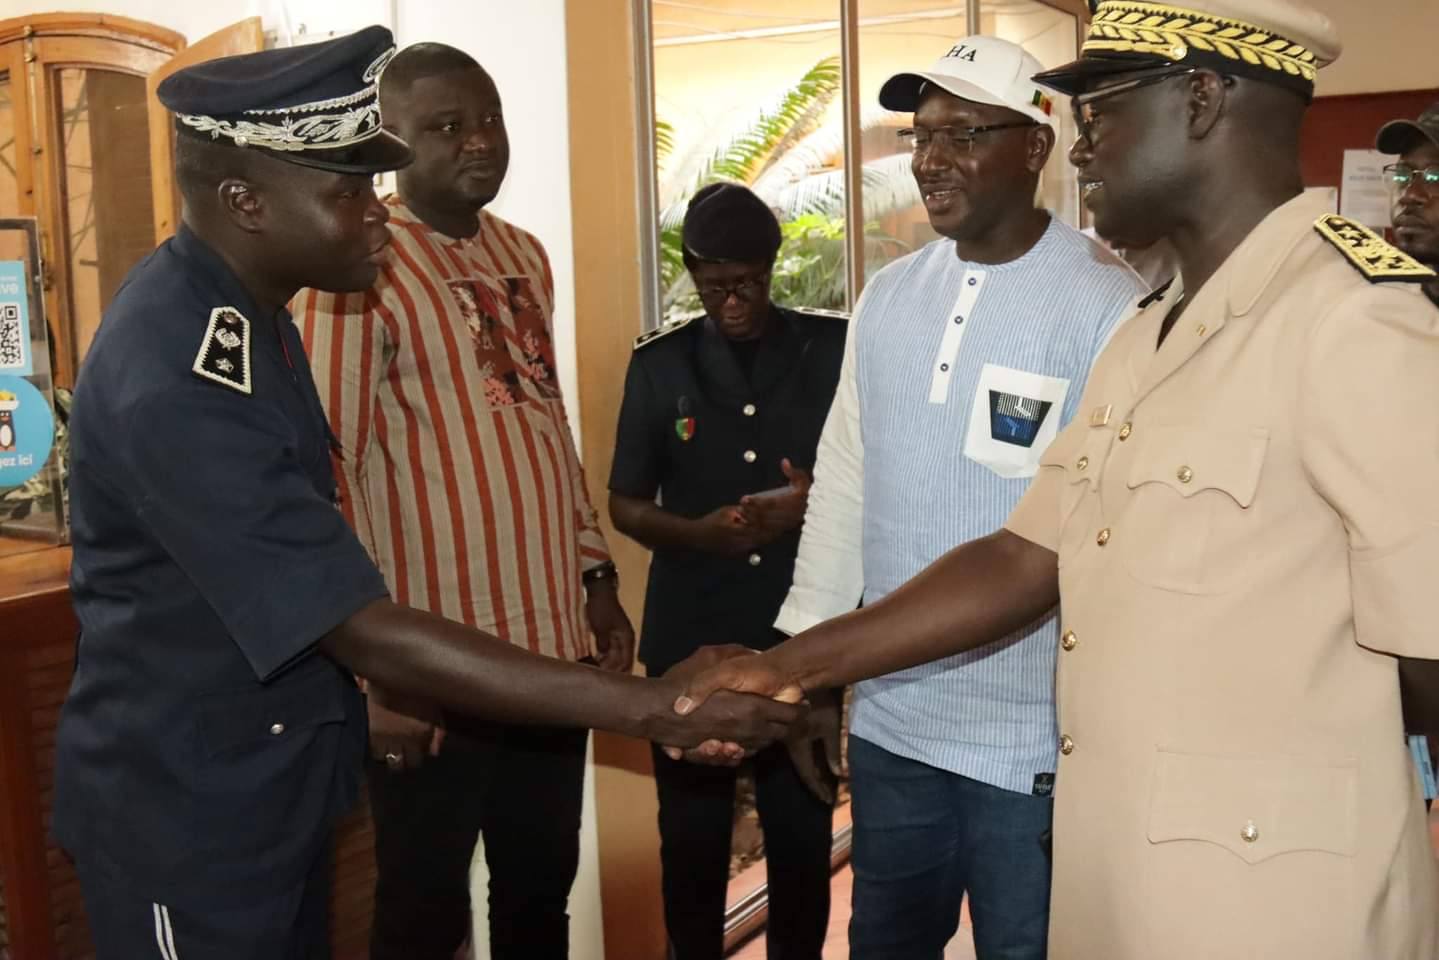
pixel 33 411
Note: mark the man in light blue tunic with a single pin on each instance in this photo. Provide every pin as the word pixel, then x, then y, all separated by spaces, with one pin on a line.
pixel 963 362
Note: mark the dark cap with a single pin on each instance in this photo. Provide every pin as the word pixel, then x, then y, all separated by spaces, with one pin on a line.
pixel 1283 42
pixel 317 104
pixel 1401 136
pixel 726 222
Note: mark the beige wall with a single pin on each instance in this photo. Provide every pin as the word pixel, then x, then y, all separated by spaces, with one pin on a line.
pixel 606 232
pixel 1388 45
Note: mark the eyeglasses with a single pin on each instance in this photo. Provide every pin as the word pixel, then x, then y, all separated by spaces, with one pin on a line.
pixel 1083 104
pixel 957 139
pixel 1399 176
pixel 747 290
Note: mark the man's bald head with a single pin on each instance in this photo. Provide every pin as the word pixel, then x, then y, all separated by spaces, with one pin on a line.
pixel 417 62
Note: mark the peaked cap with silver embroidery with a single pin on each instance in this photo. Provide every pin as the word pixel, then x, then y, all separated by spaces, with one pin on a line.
pixel 317 104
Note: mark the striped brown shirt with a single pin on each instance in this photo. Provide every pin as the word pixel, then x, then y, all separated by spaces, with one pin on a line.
pixel 457 466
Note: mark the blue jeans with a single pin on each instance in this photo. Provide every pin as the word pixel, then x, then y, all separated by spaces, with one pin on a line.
pixel 923 839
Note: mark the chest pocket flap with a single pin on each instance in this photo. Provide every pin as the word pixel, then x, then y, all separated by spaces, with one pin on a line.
pixel 1072 444
pixel 1190 458
pixel 1256 807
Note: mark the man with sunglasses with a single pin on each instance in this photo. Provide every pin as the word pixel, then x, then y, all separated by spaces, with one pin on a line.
pixel 1241 526
pixel 715 443
pixel 1414 187
pixel 964 361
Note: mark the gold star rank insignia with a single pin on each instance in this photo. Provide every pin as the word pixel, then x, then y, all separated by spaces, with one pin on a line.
pixel 1369 253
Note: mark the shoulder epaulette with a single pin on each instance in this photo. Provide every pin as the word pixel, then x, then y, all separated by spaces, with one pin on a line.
pixel 1369 253
pixel 822 313
pixel 224 355
pixel 663 330
pixel 1156 294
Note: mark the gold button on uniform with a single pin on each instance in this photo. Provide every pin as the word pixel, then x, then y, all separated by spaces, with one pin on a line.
pixel 1201 329
pixel 1083 462
pixel 277 729
pixel 754 559
pixel 1125 431
pixel 1185 474
pixel 750 456
pixel 1250 833
pixel 748 410
pixel 1069 641
pixel 1103 537
pixel 1066 744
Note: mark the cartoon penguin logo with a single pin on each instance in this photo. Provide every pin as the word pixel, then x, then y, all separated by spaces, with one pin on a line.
pixel 9 403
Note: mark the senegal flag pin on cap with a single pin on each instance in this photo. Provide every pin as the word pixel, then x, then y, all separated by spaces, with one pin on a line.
pixel 685 428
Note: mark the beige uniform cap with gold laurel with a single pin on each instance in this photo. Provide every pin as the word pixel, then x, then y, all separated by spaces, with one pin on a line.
pixel 1277 41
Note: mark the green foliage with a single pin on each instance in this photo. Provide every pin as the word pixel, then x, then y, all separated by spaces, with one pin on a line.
pixel 781 154
pixel 797 113
pixel 809 270
pixel 664 141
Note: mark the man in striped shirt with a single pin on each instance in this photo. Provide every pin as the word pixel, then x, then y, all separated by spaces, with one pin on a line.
pixel 963 361
pixel 459 472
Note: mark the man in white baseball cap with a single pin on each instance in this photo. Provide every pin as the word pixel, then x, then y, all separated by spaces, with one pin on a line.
pixel 979 69
pixel 963 361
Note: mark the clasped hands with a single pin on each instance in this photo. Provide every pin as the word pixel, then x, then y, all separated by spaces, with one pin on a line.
pixel 735 680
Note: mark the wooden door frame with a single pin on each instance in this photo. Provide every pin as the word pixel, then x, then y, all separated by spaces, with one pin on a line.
pixel 33 48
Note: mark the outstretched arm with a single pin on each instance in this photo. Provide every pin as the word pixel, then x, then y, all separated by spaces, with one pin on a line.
pixel 421 655
pixel 976 594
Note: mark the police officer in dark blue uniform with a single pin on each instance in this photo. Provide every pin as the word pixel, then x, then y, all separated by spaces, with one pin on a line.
pixel 213 731
pixel 721 420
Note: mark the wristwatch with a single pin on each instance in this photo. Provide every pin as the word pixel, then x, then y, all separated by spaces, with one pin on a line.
pixel 605 571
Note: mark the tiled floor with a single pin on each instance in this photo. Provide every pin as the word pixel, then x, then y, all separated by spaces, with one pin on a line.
pixel 962 948
pixel 836 946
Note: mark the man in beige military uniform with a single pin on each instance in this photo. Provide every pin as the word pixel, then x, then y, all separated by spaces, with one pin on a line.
pixel 1242 523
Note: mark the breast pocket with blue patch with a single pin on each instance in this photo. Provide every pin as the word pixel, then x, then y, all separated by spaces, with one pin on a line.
pixel 1013 417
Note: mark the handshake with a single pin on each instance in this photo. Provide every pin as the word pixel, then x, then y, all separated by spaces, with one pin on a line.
pixel 726 702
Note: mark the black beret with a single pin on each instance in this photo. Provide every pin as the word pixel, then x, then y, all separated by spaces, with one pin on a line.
pixel 726 222
pixel 317 104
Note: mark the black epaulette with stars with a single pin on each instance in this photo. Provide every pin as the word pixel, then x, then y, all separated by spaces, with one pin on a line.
pixel 224 355
pixel 663 330
pixel 1368 252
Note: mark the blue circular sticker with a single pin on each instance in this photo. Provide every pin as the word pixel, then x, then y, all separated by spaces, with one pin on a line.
pixel 27 431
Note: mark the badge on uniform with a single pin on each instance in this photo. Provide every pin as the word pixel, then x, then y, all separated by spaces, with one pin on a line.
pixel 684 424
pixel 224 355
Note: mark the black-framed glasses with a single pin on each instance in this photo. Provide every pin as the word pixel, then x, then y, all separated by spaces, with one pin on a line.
pixel 1398 177
pixel 748 290
pixel 1083 104
pixel 957 139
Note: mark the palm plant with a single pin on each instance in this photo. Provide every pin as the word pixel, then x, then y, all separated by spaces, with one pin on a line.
pixel 785 154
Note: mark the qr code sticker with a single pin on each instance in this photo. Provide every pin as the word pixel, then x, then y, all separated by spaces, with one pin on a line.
pixel 12 344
